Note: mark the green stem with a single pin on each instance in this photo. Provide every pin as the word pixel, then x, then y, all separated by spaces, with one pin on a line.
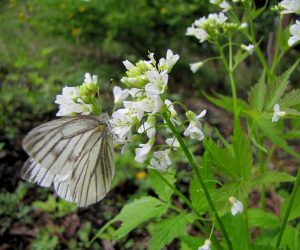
pixel 190 205
pixel 195 167
pixel 289 208
pixel 229 69
pixel 261 172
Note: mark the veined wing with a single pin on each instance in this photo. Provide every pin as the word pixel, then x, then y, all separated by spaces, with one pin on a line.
pixel 75 154
pixel 57 144
pixel 93 172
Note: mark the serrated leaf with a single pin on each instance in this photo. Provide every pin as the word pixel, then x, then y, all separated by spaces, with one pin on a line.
pixel 276 90
pixel 137 212
pixel 272 177
pixel 226 102
pixel 163 191
pixel 273 132
pixel 256 95
pixel 290 99
pixel 262 219
pixel 165 231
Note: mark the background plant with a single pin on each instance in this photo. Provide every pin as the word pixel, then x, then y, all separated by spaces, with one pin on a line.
pixel 40 64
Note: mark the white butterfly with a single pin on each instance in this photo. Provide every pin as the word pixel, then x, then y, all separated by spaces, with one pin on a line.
pixel 75 154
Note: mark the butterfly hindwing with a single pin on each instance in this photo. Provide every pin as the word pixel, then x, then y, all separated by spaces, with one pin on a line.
pixel 75 154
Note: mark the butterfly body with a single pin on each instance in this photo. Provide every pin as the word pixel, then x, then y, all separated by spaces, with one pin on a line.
pixel 74 154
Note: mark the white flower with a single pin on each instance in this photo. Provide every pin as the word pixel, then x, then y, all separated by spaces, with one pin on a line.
pixel 135 92
pixel 128 65
pixel 225 6
pixel 170 107
pixel 70 104
pixel 152 103
pixel 218 18
pixel 173 142
pixel 134 109
pixel 158 81
pixel 90 79
pixel 249 48
pixel 121 123
pixel 243 25
pixel 160 160
pixel 290 6
pixel 277 113
pixel 169 62
pixel 199 33
pixel 236 206
pixel 119 94
pixel 142 152
pixel 295 32
pixel 206 245
pixel 149 127
pixel 195 66
pixel 194 130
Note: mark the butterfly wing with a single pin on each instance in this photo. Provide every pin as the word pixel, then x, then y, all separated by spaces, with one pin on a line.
pixel 58 148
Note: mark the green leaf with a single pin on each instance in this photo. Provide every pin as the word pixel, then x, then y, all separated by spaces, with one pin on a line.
pixel 291 238
pixel 188 242
pixel 256 95
pixel 168 229
pixel 263 247
pixel 295 211
pixel 276 90
pixel 262 219
pixel 273 132
pixel 137 212
pixel 290 99
pixel 163 191
pixel 272 177
pixel 226 102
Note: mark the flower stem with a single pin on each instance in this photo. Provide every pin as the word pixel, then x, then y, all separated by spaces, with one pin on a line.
pixel 191 206
pixel 289 208
pixel 195 167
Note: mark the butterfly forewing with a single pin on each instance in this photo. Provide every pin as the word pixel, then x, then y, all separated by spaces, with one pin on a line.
pixel 75 154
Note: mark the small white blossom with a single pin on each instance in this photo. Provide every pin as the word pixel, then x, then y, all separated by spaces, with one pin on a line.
pixel 121 123
pixel 70 104
pixel 90 79
pixel 160 160
pixel 173 142
pixel 152 103
pixel 249 48
pixel 199 33
pixel 236 206
pixel 134 109
pixel 277 113
pixel 135 92
pixel 142 152
pixel 171 108
pixel 295 32
pixel 148 127
pixel 158 81
pixel 168 62
pixel 128 65
pixel 195 66
pixel 290 6
pixel 206 245
pixel 119 94
pixel 225 6
pixel 194 130
pixel 243 25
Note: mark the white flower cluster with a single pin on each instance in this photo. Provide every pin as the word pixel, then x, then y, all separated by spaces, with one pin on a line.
pixel 73 99
pixel 142 102
pixel 288 7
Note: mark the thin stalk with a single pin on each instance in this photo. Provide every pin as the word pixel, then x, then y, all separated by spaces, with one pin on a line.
pixel 289 208
pixel 261 169
pixel 191 206
pixel 195 167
